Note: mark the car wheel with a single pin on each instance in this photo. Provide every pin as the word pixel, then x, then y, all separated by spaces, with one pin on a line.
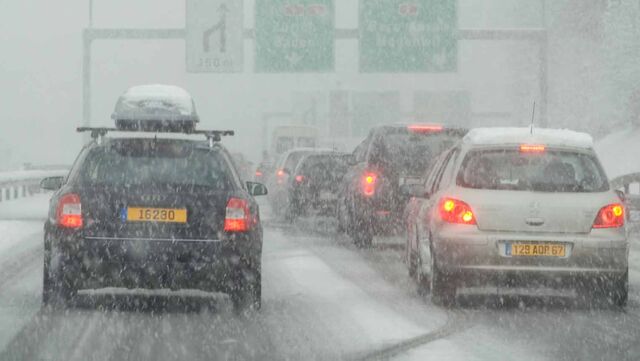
pixel 360 230
pixel 411 258
pixel 443 287
pixel 363 236
pixel 610 291
pixel 56 291
pixel 247 293
pixel 616 291
pixel 423 281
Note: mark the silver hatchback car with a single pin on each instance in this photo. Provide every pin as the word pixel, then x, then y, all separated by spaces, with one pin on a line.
pixel 510 207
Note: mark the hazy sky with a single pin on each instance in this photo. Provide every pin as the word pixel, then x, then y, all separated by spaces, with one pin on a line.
pixel 40 70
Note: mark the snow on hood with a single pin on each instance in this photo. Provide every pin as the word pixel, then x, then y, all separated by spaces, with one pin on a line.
pixel 618 152
pixel 558 137
pixel 155 102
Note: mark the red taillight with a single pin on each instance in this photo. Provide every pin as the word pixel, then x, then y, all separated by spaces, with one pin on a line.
pixel 611 216
pixel 69 211
pixel 299 178
pixel 238 216
pixel 532 148
pixel 425 128
pixel 369 181
pixel 258 173
pixel 455 211
pixel 280 176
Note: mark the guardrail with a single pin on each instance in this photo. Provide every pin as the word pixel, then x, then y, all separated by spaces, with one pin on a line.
pixel 24 183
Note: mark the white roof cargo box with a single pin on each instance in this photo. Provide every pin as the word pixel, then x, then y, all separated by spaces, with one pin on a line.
pixel 155 107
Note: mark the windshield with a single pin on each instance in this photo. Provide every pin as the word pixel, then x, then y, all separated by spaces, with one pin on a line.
pixel 329 167
pixel 551 171
pixel 143 163
pixel 319 180
pixel 409 153
pixel 293 159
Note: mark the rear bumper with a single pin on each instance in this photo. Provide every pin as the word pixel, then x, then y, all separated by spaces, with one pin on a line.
pixel 481 256
pixel 100 262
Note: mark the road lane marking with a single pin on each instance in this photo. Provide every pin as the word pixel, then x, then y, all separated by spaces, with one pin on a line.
pixel 454 325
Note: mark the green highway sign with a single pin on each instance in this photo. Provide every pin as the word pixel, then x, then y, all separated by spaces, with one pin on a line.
pixel 294 36
pixel 408 36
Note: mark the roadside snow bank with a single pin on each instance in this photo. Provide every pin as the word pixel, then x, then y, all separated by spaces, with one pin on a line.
pixel 35 207
pixel 16 236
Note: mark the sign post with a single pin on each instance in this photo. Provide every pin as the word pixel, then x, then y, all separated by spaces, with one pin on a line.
pixel 215 36
pixel 408 36
pixel 294 36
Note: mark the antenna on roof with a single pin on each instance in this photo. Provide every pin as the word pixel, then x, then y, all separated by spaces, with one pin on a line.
pixel 533 116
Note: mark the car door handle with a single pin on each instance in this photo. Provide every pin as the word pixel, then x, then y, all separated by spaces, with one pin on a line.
pixel 535 221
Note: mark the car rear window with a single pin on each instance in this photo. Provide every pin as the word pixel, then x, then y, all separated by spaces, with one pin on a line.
pixel 293 159
pixel 148 162
pixel 334 165
pixel 410 153
pixel 549 171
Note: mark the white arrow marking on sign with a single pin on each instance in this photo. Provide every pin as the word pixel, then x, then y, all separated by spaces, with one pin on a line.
pixel 294 58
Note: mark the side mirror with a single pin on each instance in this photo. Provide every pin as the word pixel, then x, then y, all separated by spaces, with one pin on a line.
pixel 52 183
pixel 351 159
pixel 257 189
pixel 414 190
pixel 621 194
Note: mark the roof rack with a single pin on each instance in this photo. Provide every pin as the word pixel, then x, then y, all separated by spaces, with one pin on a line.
pixel 211 135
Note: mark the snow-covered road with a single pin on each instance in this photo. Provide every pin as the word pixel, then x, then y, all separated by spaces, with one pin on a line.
pixel 323 299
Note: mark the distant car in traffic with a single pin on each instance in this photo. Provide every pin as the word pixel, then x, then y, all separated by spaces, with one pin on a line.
pixel 391 157
pixel 153 212
pixel 316 183
pixel 278 182
pixel 629 187
pixel 512 208
pixel 243 165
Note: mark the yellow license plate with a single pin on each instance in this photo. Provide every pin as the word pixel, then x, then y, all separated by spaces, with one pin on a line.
pixel 533 250
pixel 166 215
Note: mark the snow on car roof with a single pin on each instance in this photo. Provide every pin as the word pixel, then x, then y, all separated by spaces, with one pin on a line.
pixel 558 137
pixel 155 102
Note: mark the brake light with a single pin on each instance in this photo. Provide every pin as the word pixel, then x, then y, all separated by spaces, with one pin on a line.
pixel 258 173
pixel 69 211
pixel 280 176
pixel 425 128
pixel 611 216
pixel 369 181
pixel 455 211
pixel 532 148
pixel 238 216
pixel 299 178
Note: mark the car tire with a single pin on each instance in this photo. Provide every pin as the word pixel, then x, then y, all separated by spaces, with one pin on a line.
pixel 363 236
pixel 610 291
pixel 616 292
pixel 56 291
pixel 423 281
pixel 412 263
pixel 443 286
pixel 360 230
pixel 341 213
pixel 247 293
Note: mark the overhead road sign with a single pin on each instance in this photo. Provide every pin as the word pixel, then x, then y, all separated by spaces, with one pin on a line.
pixel 294 36
pixel 215 36
pixel 408 36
